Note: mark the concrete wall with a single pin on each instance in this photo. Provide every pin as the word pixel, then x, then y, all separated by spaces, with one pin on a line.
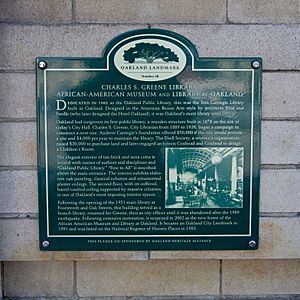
pixel 269 29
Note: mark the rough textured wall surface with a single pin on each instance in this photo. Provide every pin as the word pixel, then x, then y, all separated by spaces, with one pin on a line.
pixel 269 29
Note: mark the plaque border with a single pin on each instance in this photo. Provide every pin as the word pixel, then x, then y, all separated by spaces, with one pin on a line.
pixel 156 235
pixel 219 241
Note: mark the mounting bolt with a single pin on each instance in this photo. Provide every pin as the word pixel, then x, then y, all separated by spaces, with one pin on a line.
pixel 42 65
pixel 255 64
pixel 45 244
pixel 252 244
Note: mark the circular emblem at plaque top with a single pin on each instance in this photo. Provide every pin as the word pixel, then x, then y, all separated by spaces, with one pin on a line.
pixel 150 59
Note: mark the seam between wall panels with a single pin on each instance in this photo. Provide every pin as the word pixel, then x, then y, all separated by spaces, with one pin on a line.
pixel 221 278
pixel 75 292
pixel 2 279
pixel 82 23
pixel 73 12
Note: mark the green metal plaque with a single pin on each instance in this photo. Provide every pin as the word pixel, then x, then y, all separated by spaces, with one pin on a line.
pixel 149 147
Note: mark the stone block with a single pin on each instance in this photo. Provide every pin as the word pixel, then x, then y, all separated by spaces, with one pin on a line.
pixel 31 11
pixel 37 279
pixel 261 277
pixel 280 95
pixel 276 44
pixel 17 95
pixel 280 190
pixel 19 241
pixel 155 11
pixel 18 191
pixel 280 142
pixel 17 144
pixel 279 239
pixel 148 278
pixel 274 11
pixel 20 44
